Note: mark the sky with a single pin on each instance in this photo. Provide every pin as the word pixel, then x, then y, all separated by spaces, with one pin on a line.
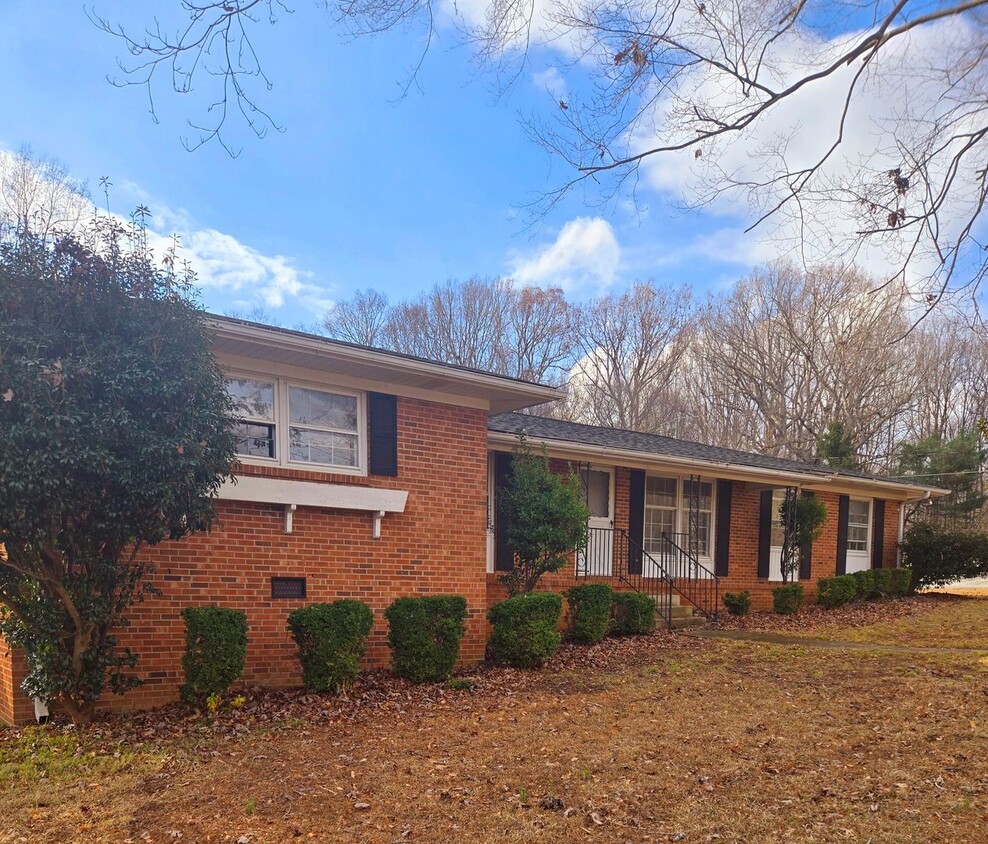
pixel 361 187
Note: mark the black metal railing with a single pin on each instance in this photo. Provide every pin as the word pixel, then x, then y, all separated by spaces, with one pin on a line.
pixel 612 554
pixel 690 578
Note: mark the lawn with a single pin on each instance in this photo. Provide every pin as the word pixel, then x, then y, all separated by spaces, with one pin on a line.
pixel 667 740
pixel 960 624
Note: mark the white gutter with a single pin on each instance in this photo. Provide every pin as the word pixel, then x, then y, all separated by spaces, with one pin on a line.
pixel 639 457
pixel 278 339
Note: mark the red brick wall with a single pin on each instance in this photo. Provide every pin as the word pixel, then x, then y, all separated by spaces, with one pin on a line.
pixel 15 706
pixel 436 546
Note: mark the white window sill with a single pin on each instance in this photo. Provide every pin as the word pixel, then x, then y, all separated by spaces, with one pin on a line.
pixel 310 494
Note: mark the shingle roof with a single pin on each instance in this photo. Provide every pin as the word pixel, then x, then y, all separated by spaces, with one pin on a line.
pixel 540 427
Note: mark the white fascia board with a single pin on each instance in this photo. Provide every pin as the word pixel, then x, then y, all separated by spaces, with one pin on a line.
pixel 736 471
pixel 308 494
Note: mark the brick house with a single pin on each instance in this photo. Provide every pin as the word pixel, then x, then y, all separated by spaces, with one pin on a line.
pixel 372 475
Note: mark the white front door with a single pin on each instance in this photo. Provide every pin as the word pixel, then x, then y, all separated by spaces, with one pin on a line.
pixel 778 533
pixel 598 558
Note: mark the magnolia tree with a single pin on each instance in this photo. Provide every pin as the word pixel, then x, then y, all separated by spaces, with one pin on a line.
pixel 114 434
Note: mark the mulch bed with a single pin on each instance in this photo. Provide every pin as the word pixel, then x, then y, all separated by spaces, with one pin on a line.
pixel 376 691
pixel 857 614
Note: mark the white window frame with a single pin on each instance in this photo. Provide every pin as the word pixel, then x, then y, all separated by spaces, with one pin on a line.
pixel 681 512
pixel 867 549
pixel 282 424
pixel 256 420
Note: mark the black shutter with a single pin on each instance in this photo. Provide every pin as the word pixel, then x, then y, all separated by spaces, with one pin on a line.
pixel 843 504
pixel 636 520
pixel 806 554
pixel 382 410
pixel 504 560
pixel 764 532
pixel 878 534
pixel 723 535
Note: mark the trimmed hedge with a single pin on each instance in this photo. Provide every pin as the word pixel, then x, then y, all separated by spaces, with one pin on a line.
pixel 633 614
pixel 215 651
pixel 901 581
pixel 589 612
pixel 883 583
pixel 331 639
pixel 737 603
pixel 525 631
pixel 836 591
pixel 424 634
pixel 866 583
pixel 788 600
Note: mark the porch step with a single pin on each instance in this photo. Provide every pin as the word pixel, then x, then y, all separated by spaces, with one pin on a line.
pixel 679 622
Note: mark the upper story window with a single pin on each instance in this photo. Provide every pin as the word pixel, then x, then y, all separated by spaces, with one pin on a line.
pixel 858 525
pixel 253 409
pixel 291 424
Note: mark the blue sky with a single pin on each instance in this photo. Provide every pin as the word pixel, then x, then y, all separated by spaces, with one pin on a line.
pixel 362 189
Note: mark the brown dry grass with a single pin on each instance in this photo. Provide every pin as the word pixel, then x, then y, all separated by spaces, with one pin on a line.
pixel 963 624
pixel 720 742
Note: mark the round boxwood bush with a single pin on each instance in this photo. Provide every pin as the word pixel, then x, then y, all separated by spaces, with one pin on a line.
pixel 836 591
pixel 788 600
pixel 215 651
pixel 331 639
pixel 634 614
pixel 424 634
pixel 738 603
pixel 589 612
pixel 525 630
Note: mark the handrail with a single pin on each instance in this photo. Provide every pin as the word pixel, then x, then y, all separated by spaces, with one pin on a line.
pixel 609 553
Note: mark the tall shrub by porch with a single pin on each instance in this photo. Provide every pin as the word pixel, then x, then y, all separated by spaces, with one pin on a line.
pixel 546 517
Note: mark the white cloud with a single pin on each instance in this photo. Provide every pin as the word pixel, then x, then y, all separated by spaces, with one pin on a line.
pixel 248 277
pixel 551 80
pixel 584 256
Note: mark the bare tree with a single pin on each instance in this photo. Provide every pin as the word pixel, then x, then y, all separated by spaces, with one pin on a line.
pixel 720 87
pixel 788 352
pixel 487 324
pixel 363 318
pixel 632 345
pixel 38 196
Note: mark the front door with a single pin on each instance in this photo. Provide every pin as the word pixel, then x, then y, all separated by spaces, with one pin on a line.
pixel 778 537
pixel 598 558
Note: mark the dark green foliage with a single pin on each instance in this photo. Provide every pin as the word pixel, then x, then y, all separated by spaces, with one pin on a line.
pixel 424 634
pixel 939 555
pixel 546 517
pixel 526 629
pixel 215 651
pixel 865 581
pixel 883 583
pixel 634 614
pixel 949 464
pixel 738 603
pixel 836 591
pixel 836 448
pixel 331 639
pixel 589 612
pixel 114 434
pixel 901 581
pixel 788 600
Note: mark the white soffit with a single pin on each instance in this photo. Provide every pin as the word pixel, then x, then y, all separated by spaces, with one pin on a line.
pixel 308 494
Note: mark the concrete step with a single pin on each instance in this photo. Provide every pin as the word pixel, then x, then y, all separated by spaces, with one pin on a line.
pixel 688 621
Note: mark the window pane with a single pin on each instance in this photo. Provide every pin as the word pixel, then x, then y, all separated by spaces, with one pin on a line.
pixel 705 492
pixel 704 535
pixel 254 440
pixel 251 399
pixel 597 489
pixel 656 522
pixel 323 447
pixel 858 512
pixel 660 492
pixel 323 410
pixel 857 538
